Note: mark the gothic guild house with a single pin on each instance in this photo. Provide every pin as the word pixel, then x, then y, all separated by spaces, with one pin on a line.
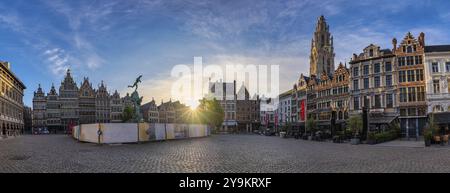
pixel 74 105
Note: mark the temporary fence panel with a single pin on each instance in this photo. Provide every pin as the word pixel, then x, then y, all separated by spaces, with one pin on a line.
pixel 160 131
pixel 120 133
pixel 88 133
pixel 144 131
pixel 170 131
pixel 181 131
pixel 133 132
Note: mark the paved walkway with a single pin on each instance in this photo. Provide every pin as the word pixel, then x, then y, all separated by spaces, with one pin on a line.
pixel 218 153
pixel 403 143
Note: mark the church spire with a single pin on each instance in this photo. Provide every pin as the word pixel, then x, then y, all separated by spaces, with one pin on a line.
pixel 322 49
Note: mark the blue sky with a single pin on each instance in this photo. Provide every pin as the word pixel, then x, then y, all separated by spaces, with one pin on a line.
pixel 115 40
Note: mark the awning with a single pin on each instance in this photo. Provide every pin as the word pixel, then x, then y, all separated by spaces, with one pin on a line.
pixel 385 119
pixel 229 123
pixel 442 118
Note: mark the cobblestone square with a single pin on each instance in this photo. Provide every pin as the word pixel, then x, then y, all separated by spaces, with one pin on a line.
pixel 218 153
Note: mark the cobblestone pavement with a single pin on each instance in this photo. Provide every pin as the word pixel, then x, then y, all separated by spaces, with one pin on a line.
pixel 219 153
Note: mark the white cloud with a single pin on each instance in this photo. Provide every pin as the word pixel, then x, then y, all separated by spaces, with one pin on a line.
pixel 58 61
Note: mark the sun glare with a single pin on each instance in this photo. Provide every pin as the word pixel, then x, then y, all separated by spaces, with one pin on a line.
pixel 193 105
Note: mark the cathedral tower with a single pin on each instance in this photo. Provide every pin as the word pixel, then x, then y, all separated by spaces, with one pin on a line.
pixel 322 51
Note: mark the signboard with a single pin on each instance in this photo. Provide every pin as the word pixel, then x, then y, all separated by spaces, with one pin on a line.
pixel 302 110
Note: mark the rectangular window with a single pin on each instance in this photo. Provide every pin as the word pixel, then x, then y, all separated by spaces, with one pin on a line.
pixel 409 60
pixel 418 59
pixel 355 85
pixel 434 67
pixel 419 75
pixel 355 71
pixel 389 101
pixel 403 94
pixel 376 81
pixel 401 61
pixel 447 66
pixel 421 93
pixel 356 103
pixel 402 76
pixel 366 83
pixel 436 87
pixel 411 94
pixel 376 68
pixel 366 69
pixel 411 77
pixel 388 80
pixel 377 101
pixel 388 67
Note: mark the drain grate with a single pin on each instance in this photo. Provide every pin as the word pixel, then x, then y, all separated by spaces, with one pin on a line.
pixel 19 157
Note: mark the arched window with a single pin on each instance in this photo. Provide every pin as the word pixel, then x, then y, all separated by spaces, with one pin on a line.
pixel 437 108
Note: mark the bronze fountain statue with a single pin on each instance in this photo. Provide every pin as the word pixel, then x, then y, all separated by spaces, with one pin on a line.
pixel 136 100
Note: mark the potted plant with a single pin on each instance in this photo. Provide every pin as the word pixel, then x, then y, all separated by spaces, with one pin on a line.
pixel 311 127
pixel 428 136
pixel 433 130
pixel 371 138
pixel 354 125
pixel 336 139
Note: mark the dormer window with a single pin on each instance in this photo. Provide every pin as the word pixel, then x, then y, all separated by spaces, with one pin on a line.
pixel 371 53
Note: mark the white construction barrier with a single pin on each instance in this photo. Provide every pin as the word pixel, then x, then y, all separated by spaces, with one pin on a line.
pixel 136 132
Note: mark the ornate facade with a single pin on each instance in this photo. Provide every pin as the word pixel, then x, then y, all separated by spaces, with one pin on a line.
pixel 332 98
pixel 53 110
pixel 102 105
pixel 11 101
pixel 73 105
pixel 39 108
pixel 411 88
pixel 69 104
pixel 116 108
pixel 299 104
pixel 87 103
pixel 373 84
pixel 437 73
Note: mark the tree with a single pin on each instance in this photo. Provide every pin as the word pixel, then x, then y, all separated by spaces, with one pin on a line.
pixel 127 114
pixel 211 113
pixel 434 128
pixel 311 125
pixel 355 125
